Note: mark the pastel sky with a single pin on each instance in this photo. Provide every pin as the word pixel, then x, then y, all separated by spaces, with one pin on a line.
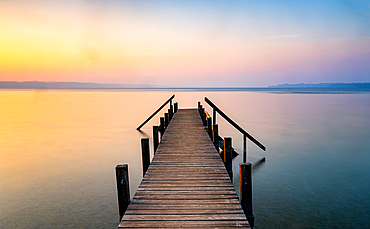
pixel 185 43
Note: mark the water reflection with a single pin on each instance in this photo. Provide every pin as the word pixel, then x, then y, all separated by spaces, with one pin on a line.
pixel 59 149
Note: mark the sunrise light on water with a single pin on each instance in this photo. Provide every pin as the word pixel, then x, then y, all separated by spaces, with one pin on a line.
pixel 78 77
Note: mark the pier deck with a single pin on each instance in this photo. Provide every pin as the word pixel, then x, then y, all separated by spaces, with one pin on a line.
pixel 186 184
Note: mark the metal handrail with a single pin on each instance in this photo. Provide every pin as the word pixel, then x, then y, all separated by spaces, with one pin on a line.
pixel 164 104
pixel 236 126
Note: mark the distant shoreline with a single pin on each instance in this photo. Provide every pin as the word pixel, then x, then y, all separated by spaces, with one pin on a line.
pixel 89 85
pixel 322 85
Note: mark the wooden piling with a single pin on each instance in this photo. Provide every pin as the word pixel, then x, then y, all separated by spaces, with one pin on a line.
pixel 161 126
pixel 169 115
pixel 123 189
pixel 155 138
pixel 204 117
pixel 145 154
pixel 215 136
pixel 228 156
pixel 209 126
pixel 214 116
pixel 166 120
pixel 176 107
pixel 246 190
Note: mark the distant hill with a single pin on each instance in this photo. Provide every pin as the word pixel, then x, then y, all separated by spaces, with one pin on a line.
pixel 63 85
pixel 323 85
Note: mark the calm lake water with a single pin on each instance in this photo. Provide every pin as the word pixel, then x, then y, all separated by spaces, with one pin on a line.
pixel 59 148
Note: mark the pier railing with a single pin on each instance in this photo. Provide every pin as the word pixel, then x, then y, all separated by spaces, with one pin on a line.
pixel 236 126
pixel 156 112
pixel 245 167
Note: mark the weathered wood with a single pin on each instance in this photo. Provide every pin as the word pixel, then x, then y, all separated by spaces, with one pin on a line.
pixel 161 127
pixel 155 138
pixel 203 117
pixel 123 189
pixel 145 154
pixel 209 126
pixel 160 108
pixel 246 190
pixel 241 130
pixel 215 137
pixel 169 115
pixel 186 184
pixel 209 223
pixel 166 120
pixel 214 116
pixel 228 156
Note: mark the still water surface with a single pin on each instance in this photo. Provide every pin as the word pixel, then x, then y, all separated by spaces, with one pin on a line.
pixel 58 150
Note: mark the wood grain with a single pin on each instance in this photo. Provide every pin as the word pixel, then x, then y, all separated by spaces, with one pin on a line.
pixel 186 184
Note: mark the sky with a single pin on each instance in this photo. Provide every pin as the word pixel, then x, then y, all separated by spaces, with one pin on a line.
pixel 230 43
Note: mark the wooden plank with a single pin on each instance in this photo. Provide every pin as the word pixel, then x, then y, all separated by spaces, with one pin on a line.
pixel 187 207
pixel 186 184
pixel 183 211
pixel 184 224
pixel 185 217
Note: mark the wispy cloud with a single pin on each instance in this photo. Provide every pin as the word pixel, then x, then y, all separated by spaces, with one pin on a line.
pixel 286 36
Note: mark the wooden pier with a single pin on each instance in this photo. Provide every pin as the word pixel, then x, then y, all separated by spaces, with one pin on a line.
pixel 186 184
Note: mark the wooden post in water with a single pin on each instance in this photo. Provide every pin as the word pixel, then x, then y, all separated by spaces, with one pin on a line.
pixel 166 120
pixel 123 189
pixel 171 111
pixel 169 115
pixel 145 154
pixel 244 148
pixel 215 136
pixel 161 127
pixel 155 138
pixel 246 191
pixel 214 116
pixel 204 117
pixel 176 107
pixel 228 156
pixel 209 126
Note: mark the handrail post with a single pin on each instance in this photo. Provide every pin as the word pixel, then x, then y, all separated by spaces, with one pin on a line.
pixel 166 121
pixel 214 116
pixel 246 191
pixel 176 107
pixel 161 129
pixel 155 138
pixel 209 126
pixel 244 148
pixel 123 189
pixel 169 115
pixel 171 110
pixel 228 156
pixel 215 136
pixel 204 117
